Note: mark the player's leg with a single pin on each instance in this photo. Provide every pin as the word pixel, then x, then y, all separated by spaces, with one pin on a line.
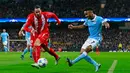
pixel 36 56
pixel 36 51
pixel 5 46
pixel 36 48
pixel 86 48
pixel 92 61
pixel 93 44
pixel 29 47
pixel 25 50
pixel 51 52
pixel 83 53
pixel 44 40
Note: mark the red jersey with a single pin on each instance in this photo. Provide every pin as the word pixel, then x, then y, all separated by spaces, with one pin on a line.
pixel 39 24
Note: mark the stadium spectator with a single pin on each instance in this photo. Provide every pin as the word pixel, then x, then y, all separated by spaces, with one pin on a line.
pixel 64 8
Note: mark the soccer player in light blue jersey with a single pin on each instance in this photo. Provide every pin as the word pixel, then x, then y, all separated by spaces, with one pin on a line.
pixel 5 36
pixel 94 24
pixel 27 37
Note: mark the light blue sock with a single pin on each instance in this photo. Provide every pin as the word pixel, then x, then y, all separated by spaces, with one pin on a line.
pixel 5 48
pixel 25 51
pixel 90 60
pixel 30 51
pixel 79 57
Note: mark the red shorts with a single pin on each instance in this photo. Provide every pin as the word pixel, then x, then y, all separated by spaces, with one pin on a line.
pixel 43 37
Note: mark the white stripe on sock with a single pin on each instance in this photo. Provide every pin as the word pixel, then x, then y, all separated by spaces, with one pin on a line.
pixel 111 69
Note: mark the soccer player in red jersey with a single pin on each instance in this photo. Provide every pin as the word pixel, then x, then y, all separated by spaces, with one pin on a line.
pixel 40 32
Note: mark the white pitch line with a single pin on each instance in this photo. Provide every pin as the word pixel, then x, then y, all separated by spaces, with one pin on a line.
pixel 111 69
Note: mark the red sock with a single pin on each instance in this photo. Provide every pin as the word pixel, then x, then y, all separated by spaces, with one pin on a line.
pixel 52 52
pixel 36 53
pixel 34 56
pixel 97 51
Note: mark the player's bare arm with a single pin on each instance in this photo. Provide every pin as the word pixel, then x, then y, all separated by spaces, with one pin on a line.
pixel 20 32
pixel 70 26
pixel 106 24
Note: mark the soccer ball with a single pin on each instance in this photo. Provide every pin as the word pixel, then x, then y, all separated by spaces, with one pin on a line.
pixel 42 62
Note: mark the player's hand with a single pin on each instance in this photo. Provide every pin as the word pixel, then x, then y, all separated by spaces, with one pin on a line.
pixel 57 24
pixel 20 33
pixel 70 26
pixel 107 26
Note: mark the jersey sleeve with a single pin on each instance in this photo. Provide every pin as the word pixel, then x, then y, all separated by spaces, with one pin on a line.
pixel 28 23
pixel 85 23
pixel 103 20
pixel 52 15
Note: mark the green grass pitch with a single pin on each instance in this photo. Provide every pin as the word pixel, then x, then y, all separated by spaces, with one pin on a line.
pixel 11 63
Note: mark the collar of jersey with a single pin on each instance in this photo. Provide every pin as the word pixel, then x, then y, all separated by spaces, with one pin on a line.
pixel 94 18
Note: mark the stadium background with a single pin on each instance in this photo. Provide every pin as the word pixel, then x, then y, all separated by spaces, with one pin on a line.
pixel 62 37
pixel 68 40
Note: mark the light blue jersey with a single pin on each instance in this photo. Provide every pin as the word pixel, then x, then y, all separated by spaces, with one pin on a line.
pixel 95 27
pixel 27 35
pixel 4 36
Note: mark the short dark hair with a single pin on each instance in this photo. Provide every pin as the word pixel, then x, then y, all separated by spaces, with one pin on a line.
pixel 88 9
pixel 37 6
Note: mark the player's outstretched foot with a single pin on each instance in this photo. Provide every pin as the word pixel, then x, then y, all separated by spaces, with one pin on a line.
pixel 98 67
pixel 57 60
pixel 69 62
pixel 22 57
pixel 35 65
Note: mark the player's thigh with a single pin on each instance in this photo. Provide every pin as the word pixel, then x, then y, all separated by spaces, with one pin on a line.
pixel 90 44
pixel 33 39
pixel 43 37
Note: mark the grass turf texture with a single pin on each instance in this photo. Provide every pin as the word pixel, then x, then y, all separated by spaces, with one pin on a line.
pixel 11 63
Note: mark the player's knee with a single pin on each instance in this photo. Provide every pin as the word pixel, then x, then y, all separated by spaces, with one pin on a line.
pixel 89 49
pixel 82 50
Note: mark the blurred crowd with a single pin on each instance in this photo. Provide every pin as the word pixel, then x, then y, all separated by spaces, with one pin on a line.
pixel 64 38
pixel 63 8
pixel 72 40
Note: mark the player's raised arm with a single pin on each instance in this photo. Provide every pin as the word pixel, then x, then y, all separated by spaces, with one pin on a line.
pixel 21 30
pixel 71 26
pixel 52 15
pixel 106 24
pixel 28 23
